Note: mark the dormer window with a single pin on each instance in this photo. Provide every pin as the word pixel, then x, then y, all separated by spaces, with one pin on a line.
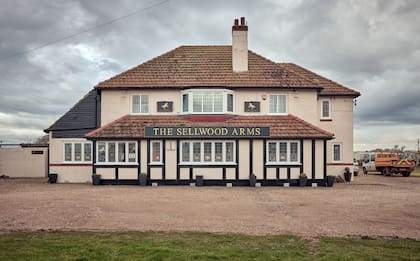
pixel 204 101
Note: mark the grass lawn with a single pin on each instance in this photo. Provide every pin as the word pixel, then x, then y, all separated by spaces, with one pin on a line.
pixel 196 246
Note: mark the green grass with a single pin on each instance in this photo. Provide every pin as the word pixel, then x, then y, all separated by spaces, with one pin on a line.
pixel 196 246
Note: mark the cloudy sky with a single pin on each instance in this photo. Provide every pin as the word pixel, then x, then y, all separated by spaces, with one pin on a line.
pixel 370 46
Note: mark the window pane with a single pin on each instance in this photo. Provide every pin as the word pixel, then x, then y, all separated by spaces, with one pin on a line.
pixel 121 151
pixel 185 152
pixel 294 151
pixel 273 104
pixel 218 102
pixel 111 152
pixel 88 152
pixel 325 109
pixel 67 151
pixel 197 151
pixel 101 152
pixel 136 104
pixel 207 151
pixel 337 155
pixel 283 151
pixel 218 151
pixel 185 102
pixel 156 151
pixel 144 103
pixel 77 152
pixel 272 151
pixel 132 152
pixel 229 151
pixel 197 102
pixel 230 102
pixel 208 102
pixel 281 99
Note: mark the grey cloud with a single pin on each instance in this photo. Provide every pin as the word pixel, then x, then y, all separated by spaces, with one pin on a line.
pixel 372 46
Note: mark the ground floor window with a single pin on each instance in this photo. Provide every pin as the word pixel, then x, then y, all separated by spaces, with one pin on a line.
pixel 337 152
pixel 156 152
pixel 207 152
pixel 117 152
pixel 78 152
pixel 283 152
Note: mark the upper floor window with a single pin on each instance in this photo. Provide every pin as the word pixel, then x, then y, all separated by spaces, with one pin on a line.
pixel 283 152
pixel 140 104
pixel 277 104
pixel 78 152
pixel 207 101
pixel 325 109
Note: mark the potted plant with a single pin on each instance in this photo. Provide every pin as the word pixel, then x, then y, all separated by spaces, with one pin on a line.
pixel 199 180
pixel 252 180
pixel 330 180
pixel 143 179
pixel 347 174
pixel 302 179
pixel 96 179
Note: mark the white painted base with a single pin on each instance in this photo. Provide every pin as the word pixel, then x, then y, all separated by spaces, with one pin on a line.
pixel 192 184
pixel 154 184
pixel 229 185
pixel 258 185
pixel 314 185
pixel 286 185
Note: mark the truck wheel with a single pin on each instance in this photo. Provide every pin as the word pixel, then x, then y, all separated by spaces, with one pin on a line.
pixel 406 173
pixel 365 171
pixel 386 172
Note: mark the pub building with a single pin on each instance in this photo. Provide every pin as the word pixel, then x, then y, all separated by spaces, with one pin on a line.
pixel 220 112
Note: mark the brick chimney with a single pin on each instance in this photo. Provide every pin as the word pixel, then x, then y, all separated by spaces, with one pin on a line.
pixel 240 46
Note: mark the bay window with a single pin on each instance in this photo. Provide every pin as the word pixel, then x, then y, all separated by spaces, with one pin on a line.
pixel 207 152
pixel 205 101
pixel 116 152
pixel 78 152
pixel 283 152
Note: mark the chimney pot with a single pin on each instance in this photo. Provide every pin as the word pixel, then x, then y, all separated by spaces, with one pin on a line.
pixel 236 23
pixel 242 20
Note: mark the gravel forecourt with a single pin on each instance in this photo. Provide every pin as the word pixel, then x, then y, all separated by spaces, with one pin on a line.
pixel 373 206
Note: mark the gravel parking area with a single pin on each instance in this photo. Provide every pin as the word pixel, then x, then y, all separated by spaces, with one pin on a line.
pixel 369 206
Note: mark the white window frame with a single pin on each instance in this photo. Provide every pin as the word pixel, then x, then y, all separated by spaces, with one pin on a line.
pixel 190 93
pixel 116 162
pixel 152 161
pixel 213 153
pixel 287 162
pixel 132 105
pixel 322 109
pixel 82 144
pixel 286 106
pixel 341 152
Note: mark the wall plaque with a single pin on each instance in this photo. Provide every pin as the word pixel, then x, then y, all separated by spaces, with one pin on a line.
pixel 252 106
pixel 164 106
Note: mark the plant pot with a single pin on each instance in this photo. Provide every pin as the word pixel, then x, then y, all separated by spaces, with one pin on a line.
pixel 252 180
pixel 199 180
pixel 143 180
pixel 356 173
pixel 52 178
pixel 347 176
pixel 96 179
pixel 330 181
pixel 303 181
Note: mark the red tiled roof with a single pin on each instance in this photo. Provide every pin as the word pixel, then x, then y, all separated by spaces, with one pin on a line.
pixel 132 126
pixel 206 66
pixel 329 87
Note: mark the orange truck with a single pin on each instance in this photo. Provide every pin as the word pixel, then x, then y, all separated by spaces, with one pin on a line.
pixel 390 163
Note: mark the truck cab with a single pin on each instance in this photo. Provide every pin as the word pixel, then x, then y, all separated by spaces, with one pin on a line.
pixel 369 163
